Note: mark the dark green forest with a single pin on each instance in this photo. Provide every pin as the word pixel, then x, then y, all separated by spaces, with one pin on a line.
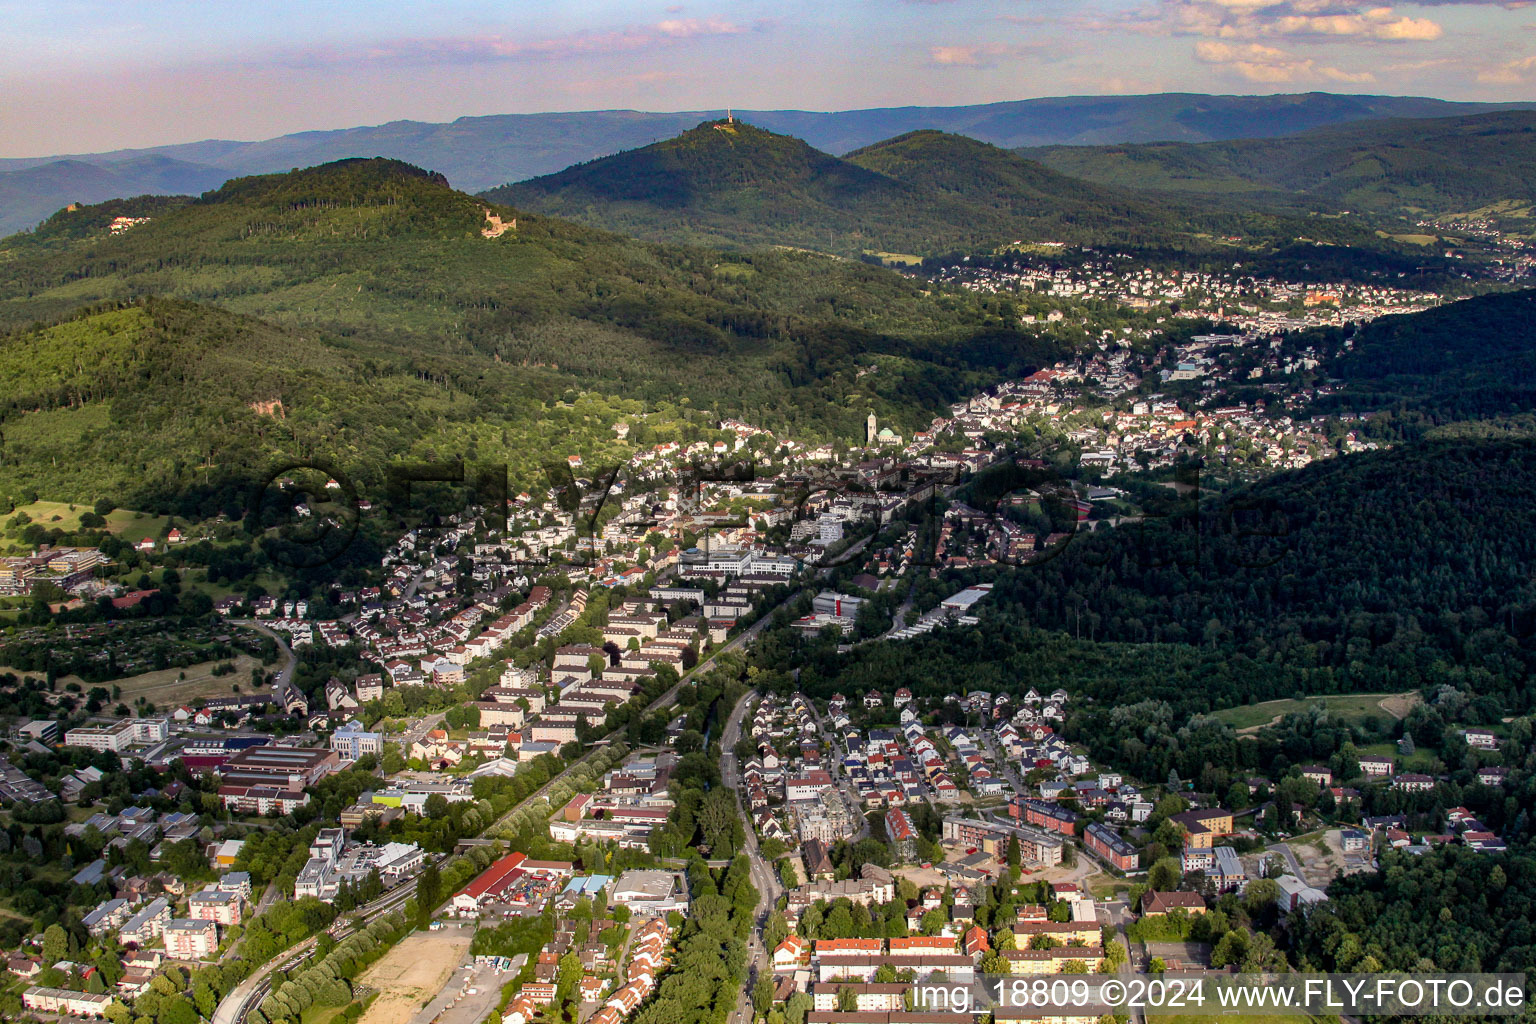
pixel 1473 359
pixel 363 296
pixel 1410 568
pixel 1405 568
pixel 1450 910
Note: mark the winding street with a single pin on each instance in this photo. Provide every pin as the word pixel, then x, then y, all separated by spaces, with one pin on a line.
pixel 290 660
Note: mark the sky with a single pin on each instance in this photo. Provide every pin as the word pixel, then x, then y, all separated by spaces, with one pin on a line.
pixel 82 76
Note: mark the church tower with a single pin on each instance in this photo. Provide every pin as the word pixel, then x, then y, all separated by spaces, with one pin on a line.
pixel 869 430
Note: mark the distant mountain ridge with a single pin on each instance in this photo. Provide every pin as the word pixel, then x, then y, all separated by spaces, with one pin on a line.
pixel 733 185
pixel 476 153
pixel 1435 165
pixel 30 195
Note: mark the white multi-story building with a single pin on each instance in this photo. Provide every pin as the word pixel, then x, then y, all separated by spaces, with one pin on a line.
pixel 351 740
pixel 147 924
pixel 119 735
pixel 191 939
pixel 214 905
pixel 332 863
pixel 58 1000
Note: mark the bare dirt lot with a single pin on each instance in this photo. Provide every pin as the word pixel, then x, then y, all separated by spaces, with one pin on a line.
pixel 413 973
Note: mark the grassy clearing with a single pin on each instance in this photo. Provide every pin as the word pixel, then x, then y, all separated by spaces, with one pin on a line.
pixel 126 523
pixel 1108 889
pixel 1349 706
pixel 325 1014
pixel 896 259
pixel 165 688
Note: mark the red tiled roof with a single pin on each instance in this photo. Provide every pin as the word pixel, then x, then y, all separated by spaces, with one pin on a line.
pixel 495 875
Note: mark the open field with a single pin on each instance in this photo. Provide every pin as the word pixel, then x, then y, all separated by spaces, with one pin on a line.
pixel 1251 717
pixel 193 578
pixel 164 688
pixel 412 973
pixel 324 1014
pixel 896 259
pixel 126 523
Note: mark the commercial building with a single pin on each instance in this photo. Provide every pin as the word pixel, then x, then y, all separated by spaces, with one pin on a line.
pixel 515 880
pixel 829 602
pixel 270 779
pixel 649 891
pixel 351 740
pixel 285 767
pixel 334 862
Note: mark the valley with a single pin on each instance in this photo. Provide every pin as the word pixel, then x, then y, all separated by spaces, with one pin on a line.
pixel 742 569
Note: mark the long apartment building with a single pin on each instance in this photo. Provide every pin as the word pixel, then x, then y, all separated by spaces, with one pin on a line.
pixel 118 736
pixel 1036 846
pixel 58 1000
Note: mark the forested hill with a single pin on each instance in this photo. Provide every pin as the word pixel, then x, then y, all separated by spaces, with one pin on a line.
pixel 389 274
pixel 1469 360
pixel 1384 571
pixel 735 185
pixel 1392 569
pixel 1007 187
pixel 140 401
pixel 1453 909
pixel 1454 165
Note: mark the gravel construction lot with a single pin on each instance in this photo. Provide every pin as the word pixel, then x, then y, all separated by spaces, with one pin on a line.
pixel 413 973
pixel 457 1005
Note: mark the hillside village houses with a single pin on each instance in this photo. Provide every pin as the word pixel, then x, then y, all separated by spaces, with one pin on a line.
pixel 455 601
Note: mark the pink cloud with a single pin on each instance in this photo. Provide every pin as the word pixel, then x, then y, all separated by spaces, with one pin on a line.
pixel 982 55
pixel 497 48
pixel 1512 72
pixel 1271 65
pixel 1364 20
